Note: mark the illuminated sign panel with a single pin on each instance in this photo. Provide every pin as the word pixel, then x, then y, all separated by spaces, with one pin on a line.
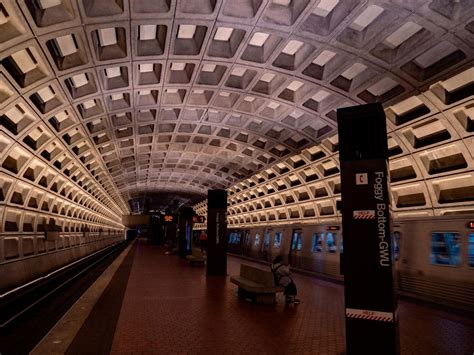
pixel 167 218
pixel 333 228
pixel 470 225
pixel 199 219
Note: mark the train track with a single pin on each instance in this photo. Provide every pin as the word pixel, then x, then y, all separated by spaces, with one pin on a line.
pixel 29 311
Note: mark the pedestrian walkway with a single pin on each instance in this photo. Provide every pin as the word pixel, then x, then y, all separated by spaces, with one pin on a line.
pixel 170 307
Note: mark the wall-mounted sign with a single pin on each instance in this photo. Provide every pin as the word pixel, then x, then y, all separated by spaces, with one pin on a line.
pixel 199 219
pixel 168 218
pixel 470 224
pixel 333 228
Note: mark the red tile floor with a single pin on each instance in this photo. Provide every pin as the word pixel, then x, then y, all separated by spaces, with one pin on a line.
pixel 170 307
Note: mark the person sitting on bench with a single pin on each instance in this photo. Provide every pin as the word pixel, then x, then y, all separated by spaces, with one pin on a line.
pixel 281 273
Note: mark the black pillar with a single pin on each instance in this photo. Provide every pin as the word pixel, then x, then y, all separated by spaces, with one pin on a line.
pixel 170 233
pixel 371 306
pixel 155 229
pixel 185 227
pixel 216 233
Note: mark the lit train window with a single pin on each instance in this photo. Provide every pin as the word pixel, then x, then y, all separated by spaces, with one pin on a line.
pixel 234 238
pixel 470 250
pixel 277 242
pixel 266 239
pixel 247 237
pixel 257 239
pixel 317 242
pixel 445 248
pixel 396 245
pixel 331 242
pixel 296 242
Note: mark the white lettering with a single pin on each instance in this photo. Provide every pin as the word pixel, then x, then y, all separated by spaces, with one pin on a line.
pixel 384 258
pixel 378 186
pixel 381 220
pixel 217 227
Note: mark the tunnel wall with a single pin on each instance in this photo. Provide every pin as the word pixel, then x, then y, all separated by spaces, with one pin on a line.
pixel 25 257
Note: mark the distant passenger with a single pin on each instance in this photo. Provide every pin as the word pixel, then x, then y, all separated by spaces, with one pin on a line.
pixel 203 241
pixel 281 272
pixel 169 247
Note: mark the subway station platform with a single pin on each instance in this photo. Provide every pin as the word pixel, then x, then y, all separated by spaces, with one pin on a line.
pixel 158 304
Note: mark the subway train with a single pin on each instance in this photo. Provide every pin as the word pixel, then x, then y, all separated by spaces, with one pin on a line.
pixel 433 257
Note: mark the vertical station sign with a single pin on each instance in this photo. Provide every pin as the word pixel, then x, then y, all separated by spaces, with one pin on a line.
pixel 370 302
pixel 217 232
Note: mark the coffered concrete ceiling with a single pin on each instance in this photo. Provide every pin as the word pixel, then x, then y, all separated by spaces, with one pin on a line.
pixel 144 96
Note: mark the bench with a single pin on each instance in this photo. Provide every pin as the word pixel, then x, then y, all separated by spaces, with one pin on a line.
pixel 196 258
pixel 256 284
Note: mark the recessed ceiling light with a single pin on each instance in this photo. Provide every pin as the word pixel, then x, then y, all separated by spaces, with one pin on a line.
pixel 147 32
pixel 285 3
pixel 267 77
pixel 178 66
pixel 273 105
pixel 325 7
pixel 369 15
pixel 401 35
pixel 292 47
pixel 239 71
pixel 223 34
pixel 186 31
pixel 46 93
pixel 294 85
pixel 66 45
pixel 259 39
pixel 354 70
pixel 112 72
pixel 116 97
pixel 46 4
pixel 323 58
pixel 79 80
pixel 107 36
pixel 210 68
pixel 88 104
pixel 145 68
pixel 24 61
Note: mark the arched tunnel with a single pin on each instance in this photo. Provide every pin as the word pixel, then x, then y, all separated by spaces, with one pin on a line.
pixel 110 109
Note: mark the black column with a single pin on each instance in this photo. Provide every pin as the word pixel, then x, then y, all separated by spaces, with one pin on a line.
pixel 216 233
pixel 185 226
pixel 155 229
pixel 371 306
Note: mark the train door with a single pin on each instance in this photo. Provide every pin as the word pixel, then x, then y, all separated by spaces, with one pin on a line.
pixel 266 254
pixel 246 246
pixel 234 244
pixel 294 255
pixel 257 244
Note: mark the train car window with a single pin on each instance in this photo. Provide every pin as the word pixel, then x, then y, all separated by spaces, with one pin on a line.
pixel 247 237
pixel 470 250
pixel 331 242
pixel 396 245
pixel 277 242
pixel 316 243
pixel 445 248
pixel 296 241
pixel 266 239
pixel 234 238
pixel 257 239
